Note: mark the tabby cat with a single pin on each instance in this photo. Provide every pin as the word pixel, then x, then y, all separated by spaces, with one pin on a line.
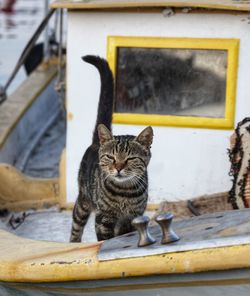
pixel 112 178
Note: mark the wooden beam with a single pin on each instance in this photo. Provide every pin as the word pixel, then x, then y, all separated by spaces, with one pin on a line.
pixel 122 4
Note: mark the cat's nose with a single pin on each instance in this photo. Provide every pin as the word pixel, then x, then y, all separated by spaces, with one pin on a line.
pixel 119 166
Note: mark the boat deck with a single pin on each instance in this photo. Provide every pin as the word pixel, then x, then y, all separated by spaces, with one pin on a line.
pixel 27 260
pixel 50 225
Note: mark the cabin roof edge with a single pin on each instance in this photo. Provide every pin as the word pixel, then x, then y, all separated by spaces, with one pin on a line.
pixel 233 5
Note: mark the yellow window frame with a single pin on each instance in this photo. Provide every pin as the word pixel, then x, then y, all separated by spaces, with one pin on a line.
pixel 230 45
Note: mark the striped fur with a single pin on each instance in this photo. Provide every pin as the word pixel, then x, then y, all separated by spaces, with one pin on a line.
pixel 112 178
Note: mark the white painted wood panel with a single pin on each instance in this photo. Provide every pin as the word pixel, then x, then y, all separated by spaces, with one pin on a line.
pixel 186 162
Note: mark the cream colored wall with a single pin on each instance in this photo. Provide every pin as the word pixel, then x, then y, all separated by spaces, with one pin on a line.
pixel 186 162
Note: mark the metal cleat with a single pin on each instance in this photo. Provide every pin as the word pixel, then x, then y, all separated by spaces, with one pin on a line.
pixel 141 224
pixel 168 234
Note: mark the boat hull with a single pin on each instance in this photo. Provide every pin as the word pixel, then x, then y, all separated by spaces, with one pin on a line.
pixel 231 283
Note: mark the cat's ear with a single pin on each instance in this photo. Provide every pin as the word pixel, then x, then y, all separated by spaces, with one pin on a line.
pixel 104 134
pixel 145 138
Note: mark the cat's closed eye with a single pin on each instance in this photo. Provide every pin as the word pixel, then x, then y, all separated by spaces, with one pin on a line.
pixel 132 158
pixel 109 157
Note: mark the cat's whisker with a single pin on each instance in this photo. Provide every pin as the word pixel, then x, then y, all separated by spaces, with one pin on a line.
pixel 141 182
pixel 138 183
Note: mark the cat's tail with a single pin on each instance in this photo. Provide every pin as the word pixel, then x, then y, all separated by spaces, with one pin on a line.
pixel 105 106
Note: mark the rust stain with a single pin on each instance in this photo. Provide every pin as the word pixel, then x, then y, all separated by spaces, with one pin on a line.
pixel 70 116
pixel 235 230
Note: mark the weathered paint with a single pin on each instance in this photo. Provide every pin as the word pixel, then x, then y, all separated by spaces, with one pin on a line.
pixel 20 192
pixel 42 261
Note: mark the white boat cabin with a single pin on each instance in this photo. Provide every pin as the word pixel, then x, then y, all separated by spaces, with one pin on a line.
pixel 181 67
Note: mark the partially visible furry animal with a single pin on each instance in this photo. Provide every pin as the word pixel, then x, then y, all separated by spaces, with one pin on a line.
pixel 113 179
pixel 239 194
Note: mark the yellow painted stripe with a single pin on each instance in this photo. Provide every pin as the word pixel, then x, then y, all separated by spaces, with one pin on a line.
pixel 111 4
pixel 20 192
pixel 56 262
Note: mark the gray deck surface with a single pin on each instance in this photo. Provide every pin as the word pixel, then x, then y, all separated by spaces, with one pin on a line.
pixel 51 225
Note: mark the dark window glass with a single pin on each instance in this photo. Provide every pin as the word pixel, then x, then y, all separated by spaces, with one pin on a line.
pixel 182 82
